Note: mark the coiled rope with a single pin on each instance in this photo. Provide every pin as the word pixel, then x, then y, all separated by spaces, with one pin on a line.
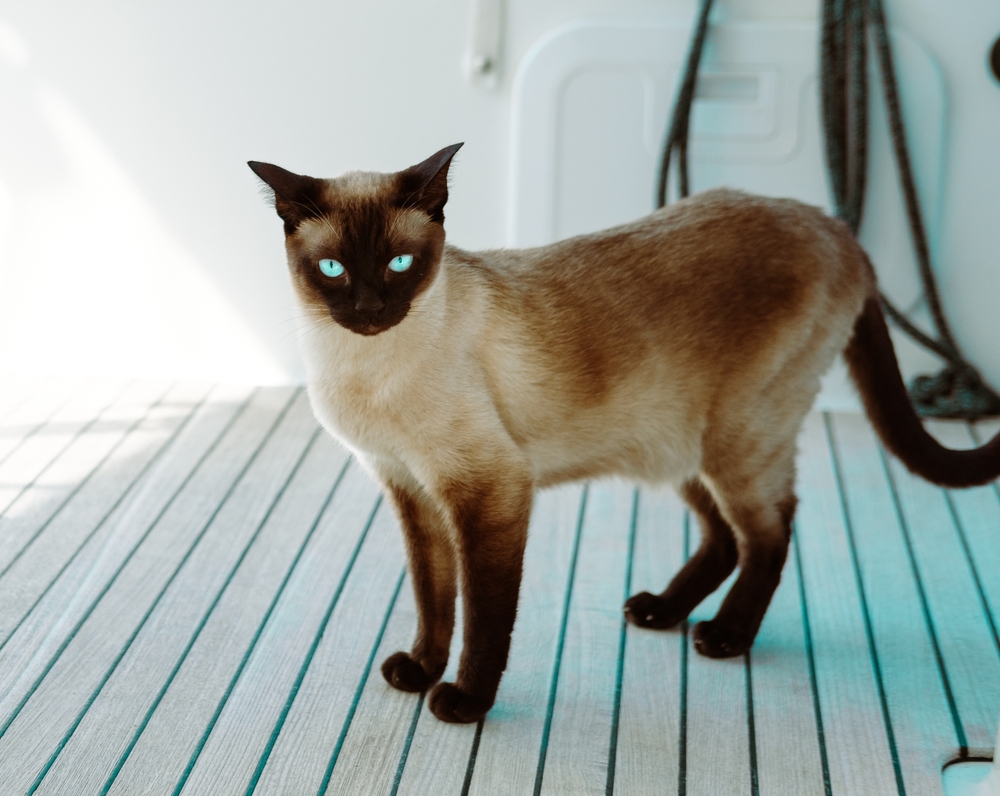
pixel 958 390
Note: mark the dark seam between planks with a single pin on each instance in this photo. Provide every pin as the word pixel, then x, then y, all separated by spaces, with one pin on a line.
pixel 76 435
pixel 406 747
pixel 121 498
pixel 813 682
pixel 866 617
pixel 83 483
pixel 72 634
pixel 303 669
pixel 963 743
pixel 204 620
pixel 973 568
pixel 683 718
pixel 335 755
pixel 35 429
pixel 751 727
pixel 609 788
pixel 563 621
pixel 156 601
pixel 470 769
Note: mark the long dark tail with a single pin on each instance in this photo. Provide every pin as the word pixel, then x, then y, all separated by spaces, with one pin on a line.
pixel 872 361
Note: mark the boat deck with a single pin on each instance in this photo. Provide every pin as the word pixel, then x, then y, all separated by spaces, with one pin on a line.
pixel 197 588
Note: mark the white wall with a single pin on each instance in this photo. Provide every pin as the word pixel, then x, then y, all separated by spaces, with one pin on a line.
pixel 132 235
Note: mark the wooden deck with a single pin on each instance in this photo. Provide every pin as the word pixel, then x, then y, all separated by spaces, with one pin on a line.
pixel 197 588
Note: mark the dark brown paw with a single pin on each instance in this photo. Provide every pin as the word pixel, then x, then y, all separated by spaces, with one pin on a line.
pixel 714 640
pixel 649 610
pixel 449 703
pixel 402 672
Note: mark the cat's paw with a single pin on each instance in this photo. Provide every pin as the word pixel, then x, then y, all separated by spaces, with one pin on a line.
pixel 715 640
pixel 450 703
pixel 402 672
pixel 650 610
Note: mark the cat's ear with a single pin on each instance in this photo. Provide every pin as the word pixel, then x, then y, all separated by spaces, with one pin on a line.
pixel 426 185
pixel 296 197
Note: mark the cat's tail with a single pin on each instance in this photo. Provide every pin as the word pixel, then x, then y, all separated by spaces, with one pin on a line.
pixel 872 362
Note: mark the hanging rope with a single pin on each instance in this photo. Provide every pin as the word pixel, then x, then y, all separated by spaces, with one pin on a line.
pixel 958 390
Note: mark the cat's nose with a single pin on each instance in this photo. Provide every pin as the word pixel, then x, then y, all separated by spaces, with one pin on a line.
pixel 368 303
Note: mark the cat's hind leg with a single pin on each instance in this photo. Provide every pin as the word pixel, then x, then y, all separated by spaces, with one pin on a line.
pixel 763 527
pixel 711 564
pixel 433 575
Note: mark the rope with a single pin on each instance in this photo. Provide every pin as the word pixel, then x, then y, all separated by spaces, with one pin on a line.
pixel 958 390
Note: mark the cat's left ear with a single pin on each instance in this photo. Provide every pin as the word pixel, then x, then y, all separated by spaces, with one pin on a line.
pixel 426 185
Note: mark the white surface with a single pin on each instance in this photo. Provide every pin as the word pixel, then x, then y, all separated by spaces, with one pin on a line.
pixel 132 235
pixel 590 108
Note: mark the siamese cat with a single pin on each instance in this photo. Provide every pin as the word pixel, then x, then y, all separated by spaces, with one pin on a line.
pixel 684 347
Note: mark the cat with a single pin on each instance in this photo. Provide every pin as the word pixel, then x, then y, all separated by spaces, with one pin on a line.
pixel 684 347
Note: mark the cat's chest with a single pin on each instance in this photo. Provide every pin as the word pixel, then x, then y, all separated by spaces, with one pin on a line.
pixel 379 405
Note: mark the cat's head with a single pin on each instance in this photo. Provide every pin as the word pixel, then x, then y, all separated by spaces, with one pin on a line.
pixel 363 246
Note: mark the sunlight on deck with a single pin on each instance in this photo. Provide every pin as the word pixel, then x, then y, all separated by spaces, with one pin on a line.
pixel 197 588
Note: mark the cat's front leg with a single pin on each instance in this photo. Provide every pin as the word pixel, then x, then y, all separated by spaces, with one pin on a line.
pixel 490 513
pixel 431 555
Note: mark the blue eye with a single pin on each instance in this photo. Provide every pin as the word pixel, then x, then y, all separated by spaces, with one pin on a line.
pixel 331 268
pixel 401 263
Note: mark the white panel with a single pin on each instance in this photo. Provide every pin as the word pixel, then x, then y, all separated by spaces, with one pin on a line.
pixel 591 103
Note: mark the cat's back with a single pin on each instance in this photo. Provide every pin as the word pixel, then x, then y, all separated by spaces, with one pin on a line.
pixel 721 260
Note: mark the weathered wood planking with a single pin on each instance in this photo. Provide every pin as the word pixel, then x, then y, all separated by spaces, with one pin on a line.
pixel 854 729
pixel 439 754
pixel 344 660
pixel 967 646
pixel 16 391
pixel 507 757
pixel 45 496
pixel 647 758
pixel 374 750
pixel 231 753
pixel 61 537
pixel 36 723
pixel 42 445
pixel 577 755
pixel 164 746
pixel 906 640
pixel 786 737
pixel 104 728
pixel 63 603
pixel 29 416
pixel 717 731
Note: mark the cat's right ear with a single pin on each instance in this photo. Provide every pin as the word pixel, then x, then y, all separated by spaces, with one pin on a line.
pixel 296 197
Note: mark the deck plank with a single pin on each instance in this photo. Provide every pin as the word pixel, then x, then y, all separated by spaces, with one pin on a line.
pixel 105 728
pixel 44 444
pixel 38 635
pixel 62 536
pixel 170 737
pixel 303 753
pixel 786 735
pixel 507 758
pixel 904 638
pixel 25 419
pixel 73 467
pixel 577 755
pixel 36 723
pixel 967 646
pixel 648 748
pixel 717 736
pixel 229 757
pixel 849 700
pixel 17 390
pixel 373 754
